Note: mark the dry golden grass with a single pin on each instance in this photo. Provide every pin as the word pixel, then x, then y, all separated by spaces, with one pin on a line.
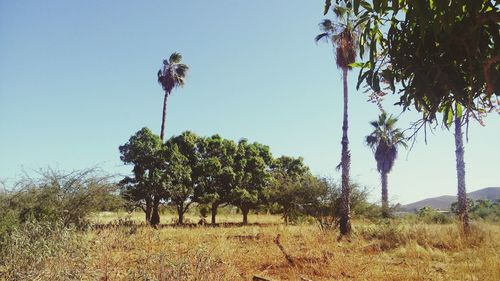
pixel 392 251
pixel 396 251
pixel 169 218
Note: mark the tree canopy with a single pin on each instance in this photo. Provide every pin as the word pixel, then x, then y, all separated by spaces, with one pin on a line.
pixel 432 53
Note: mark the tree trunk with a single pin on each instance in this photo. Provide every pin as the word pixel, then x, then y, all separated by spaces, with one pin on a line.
pixel 345 221
pixel 213 210
pixel 180 213
pixel 164 116
pixel 385 196
pixel 155 216
pixel 462 194
pixel 245 211
pixel 149 204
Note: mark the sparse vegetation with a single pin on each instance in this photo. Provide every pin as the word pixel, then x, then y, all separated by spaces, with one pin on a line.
pixel 396 250
pixel 271 216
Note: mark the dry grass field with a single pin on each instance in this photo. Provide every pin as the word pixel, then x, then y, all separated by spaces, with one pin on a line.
pixel 394 251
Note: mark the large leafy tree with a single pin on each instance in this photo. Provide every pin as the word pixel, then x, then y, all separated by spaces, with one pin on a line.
pixel 170 76
pixel 181 158
pixel 252 176
pixel 384 141
pixel 147 186
pixel 289 188
pixel 342 34
pixel 216 175
pixel 435 55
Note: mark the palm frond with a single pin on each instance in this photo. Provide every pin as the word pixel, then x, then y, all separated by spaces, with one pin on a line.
pixel 181 70
pixel 371 141
pixel 384 140
pixel 389 122
pixel 341 12
pixel 326 25
pixel 321 36
pixel 175 58
pixel 374 124
pixel 173 73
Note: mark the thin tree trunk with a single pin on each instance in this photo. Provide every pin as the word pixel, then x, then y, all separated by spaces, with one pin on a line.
pixel 155 216
pixel 213 210
pixel 148 209
pixel 345 221
pixel 164 116
pixel 460 164
pixel 180 213
pixel 245 211
pixel 385 196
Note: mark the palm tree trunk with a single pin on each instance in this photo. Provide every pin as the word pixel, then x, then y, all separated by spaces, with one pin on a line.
pixel 345 222
pixel 385 195
pixel 462 194
pixel 164 116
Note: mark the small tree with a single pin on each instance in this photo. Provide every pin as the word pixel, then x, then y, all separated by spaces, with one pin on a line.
pixel 147 187
pixel 181 159
pixel 216 177
pixel 252 162
pixel 325 201
pixel 288 188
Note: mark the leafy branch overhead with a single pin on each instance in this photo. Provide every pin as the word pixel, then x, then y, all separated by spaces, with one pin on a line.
pixel 431 53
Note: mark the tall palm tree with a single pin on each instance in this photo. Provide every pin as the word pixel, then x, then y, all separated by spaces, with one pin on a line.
pixel 172 75
pixel 460 165
pixel 384 141
pixel 343 37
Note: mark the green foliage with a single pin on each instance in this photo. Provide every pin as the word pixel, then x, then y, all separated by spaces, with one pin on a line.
pixel 325 206
pixel 289 188
pixel 57 196
pixel 430 215
pixel 252 176
pixel 180 159
pixel 434 54
pixel 173 73
pixel 215 172
pixel 146 188
pixel 342 33
pixel 481 209
pixel 9 217
pixel 384 141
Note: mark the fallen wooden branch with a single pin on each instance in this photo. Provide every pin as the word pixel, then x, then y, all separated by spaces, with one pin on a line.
pixel 259 278
pixel 287 256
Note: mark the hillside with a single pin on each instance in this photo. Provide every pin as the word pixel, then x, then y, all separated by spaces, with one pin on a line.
pixel 444 202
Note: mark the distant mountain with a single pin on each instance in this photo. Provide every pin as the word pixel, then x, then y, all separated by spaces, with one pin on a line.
pixel 444 202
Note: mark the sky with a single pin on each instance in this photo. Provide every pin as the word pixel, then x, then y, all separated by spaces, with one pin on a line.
pixel 78 78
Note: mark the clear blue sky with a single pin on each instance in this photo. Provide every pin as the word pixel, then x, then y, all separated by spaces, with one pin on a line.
pixel 78 78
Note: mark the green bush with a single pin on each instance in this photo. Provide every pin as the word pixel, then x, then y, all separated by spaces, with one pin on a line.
pixel 430 215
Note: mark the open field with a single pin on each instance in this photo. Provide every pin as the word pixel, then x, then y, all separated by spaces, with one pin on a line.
pixel 391 251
